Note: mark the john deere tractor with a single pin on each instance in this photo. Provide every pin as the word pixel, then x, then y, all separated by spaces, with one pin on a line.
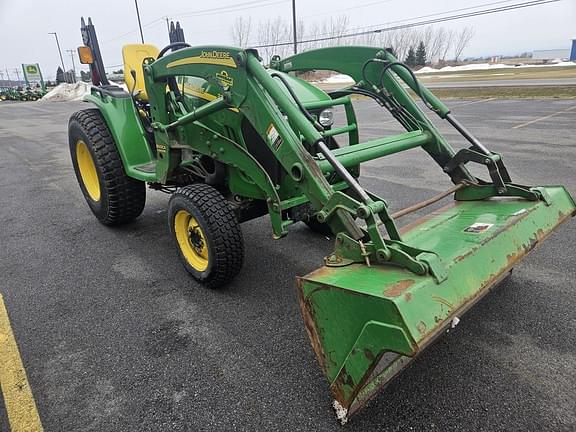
pixel 232 140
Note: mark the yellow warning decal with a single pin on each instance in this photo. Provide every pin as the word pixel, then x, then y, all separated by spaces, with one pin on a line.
pixel 220 58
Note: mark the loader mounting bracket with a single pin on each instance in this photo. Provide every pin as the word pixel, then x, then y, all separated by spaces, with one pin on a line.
pixel 418 261
pixel 483 190
pixel 493 161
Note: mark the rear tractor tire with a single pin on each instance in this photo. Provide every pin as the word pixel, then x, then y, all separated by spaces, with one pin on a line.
pixel 113 197
pixel 207 234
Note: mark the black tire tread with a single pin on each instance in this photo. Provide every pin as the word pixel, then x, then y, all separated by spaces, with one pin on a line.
pixel 126 196
pixel 223 228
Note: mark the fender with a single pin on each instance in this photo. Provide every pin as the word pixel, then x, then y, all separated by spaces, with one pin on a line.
pixel 129 135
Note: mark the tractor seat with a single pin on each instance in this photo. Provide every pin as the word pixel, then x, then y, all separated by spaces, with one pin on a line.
pixel 133 56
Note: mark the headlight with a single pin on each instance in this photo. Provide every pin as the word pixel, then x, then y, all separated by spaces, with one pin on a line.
pixel 326 117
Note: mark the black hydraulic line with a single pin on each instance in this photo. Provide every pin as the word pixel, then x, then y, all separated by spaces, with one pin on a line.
pixel 317 125
pixel 338 167
pixel 363 70
pixel 416 82
pixel 397 111
pixel 449 117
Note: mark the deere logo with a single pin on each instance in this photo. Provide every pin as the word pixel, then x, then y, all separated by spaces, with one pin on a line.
pixel 31 69
pixel 215 54
pixel 225 79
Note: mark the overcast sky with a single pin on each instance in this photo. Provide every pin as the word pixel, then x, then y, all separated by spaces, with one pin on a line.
pixel 24 25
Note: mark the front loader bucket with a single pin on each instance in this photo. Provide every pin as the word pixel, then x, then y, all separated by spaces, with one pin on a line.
pixel 367 323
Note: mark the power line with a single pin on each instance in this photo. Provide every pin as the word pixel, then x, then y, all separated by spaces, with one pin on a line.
pixel 231 8
pixel 419 23
pixel 353 7
pixel 432 15
pixel 204 12
pixel 371 26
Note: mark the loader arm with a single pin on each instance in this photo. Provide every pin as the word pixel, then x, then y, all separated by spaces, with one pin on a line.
pixel 380 298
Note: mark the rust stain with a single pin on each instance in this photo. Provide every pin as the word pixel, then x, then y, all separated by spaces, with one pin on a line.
pixel 320 272
pixel 398 288
pixel 310 323
pixel 408 296
pixel 369 354
pixel 421 327
pixel 467 254
pixel 338 387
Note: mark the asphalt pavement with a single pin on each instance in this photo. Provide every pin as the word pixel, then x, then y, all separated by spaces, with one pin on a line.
pixel 115 336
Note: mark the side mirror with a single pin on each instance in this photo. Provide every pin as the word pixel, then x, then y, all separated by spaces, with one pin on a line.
pixel 85 54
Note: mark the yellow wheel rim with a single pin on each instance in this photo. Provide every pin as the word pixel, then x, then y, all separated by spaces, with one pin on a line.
pixel 87 170
pixel 191 240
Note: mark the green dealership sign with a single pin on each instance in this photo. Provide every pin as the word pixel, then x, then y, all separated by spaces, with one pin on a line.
pixel 32 74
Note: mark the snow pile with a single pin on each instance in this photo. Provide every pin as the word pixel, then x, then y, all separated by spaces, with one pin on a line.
pixel 68 92
pixel 338 79
pixel 486 66
pixel 475 66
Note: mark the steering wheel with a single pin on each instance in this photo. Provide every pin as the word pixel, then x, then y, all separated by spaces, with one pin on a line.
pixel 172 46
pixel 172 81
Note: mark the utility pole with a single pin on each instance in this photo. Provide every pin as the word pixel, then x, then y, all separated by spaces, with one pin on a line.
pixel 294 26
pixel 72 57
pixel 59 50
pixel 139 22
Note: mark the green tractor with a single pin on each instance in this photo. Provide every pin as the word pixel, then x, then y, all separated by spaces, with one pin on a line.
pixel 232 140
pixel 12 94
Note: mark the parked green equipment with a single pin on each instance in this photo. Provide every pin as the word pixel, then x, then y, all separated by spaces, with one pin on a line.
pixel 233 140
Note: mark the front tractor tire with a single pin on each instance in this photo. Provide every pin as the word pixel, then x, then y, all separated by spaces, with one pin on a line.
pixel 113 197
pixel 207 234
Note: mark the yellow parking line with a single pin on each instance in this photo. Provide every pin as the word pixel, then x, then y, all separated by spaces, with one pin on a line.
pixel 18 400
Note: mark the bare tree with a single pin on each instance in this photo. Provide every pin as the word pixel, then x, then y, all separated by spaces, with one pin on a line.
pixel 462 40
pixel 435 45
pixel 447 45
pixel 241 31
pixel 273 32
pixel 438 41
pixel 337 28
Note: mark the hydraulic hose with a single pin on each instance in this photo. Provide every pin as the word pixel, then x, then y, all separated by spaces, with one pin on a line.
pixel 317 125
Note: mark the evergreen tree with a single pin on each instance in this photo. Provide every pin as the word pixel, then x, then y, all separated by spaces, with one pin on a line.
pixel 411 57
pixel 421 54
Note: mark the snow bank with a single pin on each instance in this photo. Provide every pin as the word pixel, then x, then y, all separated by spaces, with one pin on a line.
pixel 486 66
pixel 73 92
pixel 67 92
pixel 338 79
